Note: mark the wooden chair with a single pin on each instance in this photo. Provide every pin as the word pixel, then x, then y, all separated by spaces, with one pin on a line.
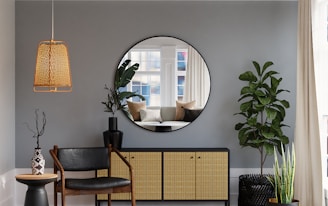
pixel 88 159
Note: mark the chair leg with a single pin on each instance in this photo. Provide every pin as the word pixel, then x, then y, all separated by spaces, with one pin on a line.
pixel 55 198
pixel 63 199
pixel 133 199
pixel 109 200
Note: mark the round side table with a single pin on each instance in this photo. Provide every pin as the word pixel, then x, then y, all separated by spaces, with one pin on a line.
pixel 36 193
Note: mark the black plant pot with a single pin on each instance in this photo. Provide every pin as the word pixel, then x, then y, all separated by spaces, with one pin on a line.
pixel 254 190
pixel 112 123
pixel 113 137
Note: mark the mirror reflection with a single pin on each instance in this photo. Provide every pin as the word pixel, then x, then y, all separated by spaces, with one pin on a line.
pixel 173 78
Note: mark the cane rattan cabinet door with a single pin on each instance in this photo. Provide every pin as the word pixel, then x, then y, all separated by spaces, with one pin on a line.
pixel 148 175
pixel 119 169
pixel 212 176
pixel 179 175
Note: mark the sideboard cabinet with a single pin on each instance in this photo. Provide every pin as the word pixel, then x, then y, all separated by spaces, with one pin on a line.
pixel 175 174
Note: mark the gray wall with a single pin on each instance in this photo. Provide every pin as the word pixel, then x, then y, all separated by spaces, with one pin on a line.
pixel 7 86
pixel 229 35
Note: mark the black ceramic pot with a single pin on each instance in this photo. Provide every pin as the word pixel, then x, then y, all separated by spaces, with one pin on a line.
pixel 112 123
pixel 113 137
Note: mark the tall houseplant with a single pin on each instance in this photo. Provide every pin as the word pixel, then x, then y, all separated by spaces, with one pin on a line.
pixel 115 101
pixel 263 111
pixel 283 179
pixel 263 114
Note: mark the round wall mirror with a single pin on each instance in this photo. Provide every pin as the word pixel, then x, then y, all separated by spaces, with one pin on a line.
pixel 174 80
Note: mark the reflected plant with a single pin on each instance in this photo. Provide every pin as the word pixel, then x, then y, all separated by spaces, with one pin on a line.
pixel 116 96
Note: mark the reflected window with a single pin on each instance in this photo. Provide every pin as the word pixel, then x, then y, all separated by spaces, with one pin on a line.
pixel 182 56
pixel 154 71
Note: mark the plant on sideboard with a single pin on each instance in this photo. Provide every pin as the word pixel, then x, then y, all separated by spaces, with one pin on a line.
pixel 115 101
pixel 283 178
pixel 262 110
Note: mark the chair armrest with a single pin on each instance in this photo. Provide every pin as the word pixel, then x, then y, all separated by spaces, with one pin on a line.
pixel 56 161
pixel 124 160
pixel 59 167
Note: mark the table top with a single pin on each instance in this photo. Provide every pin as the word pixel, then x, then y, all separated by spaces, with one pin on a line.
pixel 36 177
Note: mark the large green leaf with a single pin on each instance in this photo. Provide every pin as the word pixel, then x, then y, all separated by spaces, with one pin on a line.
pixel 268 74
pixel 266 65
pixel 245 90
pixel 264 100
pixel 245 106
pixel 248 76
pixel 285 103
pixel 275 83
pixel 252 121
pixel 127 75
pixel 271 113
pixel 259 93
pixel 269 148
pixel 268 135
pixel 257 68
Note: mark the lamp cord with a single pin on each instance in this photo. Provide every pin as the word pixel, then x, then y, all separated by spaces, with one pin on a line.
pixel 52 20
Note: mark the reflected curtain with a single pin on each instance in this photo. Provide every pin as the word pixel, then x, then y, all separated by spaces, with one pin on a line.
pixel 197 82
pixel 308 178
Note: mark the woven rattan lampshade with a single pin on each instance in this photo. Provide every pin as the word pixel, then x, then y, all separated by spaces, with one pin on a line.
pixel 52 71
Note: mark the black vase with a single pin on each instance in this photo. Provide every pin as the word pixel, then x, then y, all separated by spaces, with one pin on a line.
pixel 113 136
pixel 112 123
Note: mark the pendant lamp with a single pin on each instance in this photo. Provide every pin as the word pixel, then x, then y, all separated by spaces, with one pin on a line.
pixel 52 70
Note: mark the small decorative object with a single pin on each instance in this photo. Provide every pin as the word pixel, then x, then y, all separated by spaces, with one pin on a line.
pixel 263 112
pixel 283 179
pixel 116 101
pixel 38 161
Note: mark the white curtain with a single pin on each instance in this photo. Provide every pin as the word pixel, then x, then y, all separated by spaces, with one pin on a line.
pixel 197 82
pixel 308 179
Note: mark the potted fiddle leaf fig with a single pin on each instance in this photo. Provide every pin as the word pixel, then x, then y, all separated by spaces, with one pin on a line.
pixel 283 179
pixel 115 101
pixel 263 112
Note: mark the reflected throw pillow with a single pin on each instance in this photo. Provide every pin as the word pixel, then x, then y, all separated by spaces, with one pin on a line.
pixel 134 109
pixel 191 114
pixel 180 106
pixel 150 115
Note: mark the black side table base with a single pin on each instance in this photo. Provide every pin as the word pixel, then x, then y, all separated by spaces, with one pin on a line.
pixel 36 196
